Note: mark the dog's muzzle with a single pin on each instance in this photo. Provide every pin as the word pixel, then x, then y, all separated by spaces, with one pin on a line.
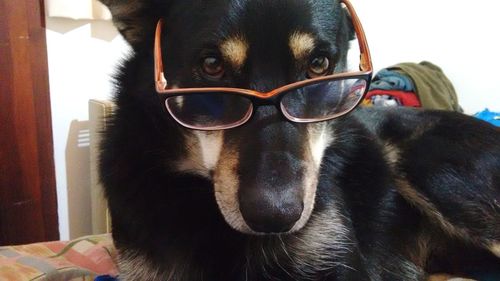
pixel 271 201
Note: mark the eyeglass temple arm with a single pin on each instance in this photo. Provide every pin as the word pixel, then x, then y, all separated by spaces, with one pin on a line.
pixel 365 58
pixel 160 80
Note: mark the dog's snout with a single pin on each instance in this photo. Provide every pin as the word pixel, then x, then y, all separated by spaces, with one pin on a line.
pixel 271 201
pixel 271 215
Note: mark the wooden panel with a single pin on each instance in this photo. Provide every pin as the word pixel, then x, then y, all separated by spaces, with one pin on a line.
pixel 28 206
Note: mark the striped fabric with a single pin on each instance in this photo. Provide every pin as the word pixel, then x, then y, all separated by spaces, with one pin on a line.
pixel 82 259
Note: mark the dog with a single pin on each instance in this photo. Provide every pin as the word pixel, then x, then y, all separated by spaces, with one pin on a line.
pixel 394 194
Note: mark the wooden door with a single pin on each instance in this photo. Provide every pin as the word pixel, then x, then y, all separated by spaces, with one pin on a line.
pixel 28 206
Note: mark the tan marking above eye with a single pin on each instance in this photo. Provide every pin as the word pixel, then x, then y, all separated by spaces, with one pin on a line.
pixel 495 248
pixel 301 44
pixel 235 50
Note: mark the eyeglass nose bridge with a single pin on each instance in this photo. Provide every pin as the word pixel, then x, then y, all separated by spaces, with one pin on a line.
pixel 260 101
pixel 274 101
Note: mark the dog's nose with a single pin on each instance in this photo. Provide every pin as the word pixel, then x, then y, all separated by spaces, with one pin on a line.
pixel 271 194
pixel 271 218
pixel 263 222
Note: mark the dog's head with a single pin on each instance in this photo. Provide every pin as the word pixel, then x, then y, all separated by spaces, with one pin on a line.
pixel 265 172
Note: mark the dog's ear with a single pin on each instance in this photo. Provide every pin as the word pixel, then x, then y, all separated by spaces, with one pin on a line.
pixel 136 19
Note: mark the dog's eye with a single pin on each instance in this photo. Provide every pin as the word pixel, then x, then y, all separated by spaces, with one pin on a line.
pixel 319 66
pixel 213 67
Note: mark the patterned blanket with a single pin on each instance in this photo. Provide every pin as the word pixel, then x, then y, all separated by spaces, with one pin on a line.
pixel 81 259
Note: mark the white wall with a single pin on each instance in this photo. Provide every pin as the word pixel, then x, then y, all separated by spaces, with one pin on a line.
pixel 460 36
pixel 82 56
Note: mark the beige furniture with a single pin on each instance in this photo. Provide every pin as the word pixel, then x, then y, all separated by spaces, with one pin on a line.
pixel 99 111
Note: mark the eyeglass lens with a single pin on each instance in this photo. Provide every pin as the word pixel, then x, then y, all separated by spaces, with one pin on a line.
pixel 209 109
pixel 323 100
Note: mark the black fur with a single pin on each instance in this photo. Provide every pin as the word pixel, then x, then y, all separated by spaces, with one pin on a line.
pixel 378 178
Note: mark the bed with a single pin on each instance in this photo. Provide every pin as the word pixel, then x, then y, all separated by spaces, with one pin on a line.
pixel 81 259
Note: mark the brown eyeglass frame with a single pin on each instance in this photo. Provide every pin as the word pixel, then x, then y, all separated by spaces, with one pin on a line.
pixel 365 66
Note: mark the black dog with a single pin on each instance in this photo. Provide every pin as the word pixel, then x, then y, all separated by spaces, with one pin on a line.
pixel 372 195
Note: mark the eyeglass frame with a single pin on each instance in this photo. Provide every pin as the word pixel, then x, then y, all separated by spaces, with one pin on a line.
pixel 271 97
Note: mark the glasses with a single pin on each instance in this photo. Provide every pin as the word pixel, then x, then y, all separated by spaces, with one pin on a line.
pixel 313 100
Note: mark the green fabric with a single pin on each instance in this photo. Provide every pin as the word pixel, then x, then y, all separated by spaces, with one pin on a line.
pixel 433 88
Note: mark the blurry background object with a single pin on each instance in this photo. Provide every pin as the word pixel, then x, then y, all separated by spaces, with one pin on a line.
pixel 77 10
pixel 409 84
pixel 489 116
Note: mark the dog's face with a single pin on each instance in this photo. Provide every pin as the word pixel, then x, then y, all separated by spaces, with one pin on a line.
pixel 265 173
